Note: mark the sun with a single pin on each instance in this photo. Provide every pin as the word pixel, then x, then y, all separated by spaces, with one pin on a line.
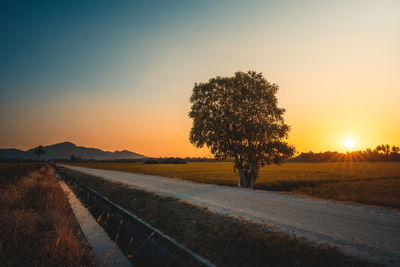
pixel 349 143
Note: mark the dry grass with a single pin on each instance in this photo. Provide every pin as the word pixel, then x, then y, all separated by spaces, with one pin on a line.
pixel 37 226
pixel 375 183
pixel 12 170
pixel 380 192
pixel 225 240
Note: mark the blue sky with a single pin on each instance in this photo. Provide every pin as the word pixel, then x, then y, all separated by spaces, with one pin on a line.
pixel 53 45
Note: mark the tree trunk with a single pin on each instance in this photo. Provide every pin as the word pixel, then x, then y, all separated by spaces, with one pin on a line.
pixel 247 175
pixel 242 178
pixel 250 181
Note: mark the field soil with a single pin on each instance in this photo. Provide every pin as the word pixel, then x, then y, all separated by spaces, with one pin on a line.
pixel 362 231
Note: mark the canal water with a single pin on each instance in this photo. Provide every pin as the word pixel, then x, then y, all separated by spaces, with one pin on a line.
pixel 105 250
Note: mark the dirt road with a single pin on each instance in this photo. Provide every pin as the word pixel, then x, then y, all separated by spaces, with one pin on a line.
pixel 363 231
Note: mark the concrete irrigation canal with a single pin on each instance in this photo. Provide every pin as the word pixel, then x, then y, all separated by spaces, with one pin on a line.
pixel 118 237
pixel 105 250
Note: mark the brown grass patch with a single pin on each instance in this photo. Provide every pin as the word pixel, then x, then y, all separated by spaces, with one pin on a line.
pixel 380 192
pixel 37 226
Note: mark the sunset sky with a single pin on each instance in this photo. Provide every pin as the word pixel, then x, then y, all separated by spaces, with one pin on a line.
pixel 118 74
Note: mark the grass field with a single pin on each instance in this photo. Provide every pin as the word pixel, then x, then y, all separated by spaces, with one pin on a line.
pixel 37 226
pixel 376 183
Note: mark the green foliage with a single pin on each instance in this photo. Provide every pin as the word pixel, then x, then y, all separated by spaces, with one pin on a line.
pixel 238 118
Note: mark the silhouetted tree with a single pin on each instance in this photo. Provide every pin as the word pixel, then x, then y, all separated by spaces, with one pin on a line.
pixel 39 151
pixel 378 154
pixel 238 119
pixel 387 149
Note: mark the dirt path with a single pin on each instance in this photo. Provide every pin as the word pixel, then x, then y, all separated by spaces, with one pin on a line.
pixel 364 231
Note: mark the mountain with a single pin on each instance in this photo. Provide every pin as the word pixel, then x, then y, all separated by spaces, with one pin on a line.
pixel 66 149
pixel 12 153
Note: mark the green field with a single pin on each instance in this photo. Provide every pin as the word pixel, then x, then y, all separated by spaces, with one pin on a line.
pixel 376 183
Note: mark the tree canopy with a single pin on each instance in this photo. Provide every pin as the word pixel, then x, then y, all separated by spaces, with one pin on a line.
pixel 238 118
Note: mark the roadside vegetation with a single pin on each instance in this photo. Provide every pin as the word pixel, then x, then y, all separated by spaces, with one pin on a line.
pixel 225 240
pixel 376 183
pixel 13 170
pixel 37 226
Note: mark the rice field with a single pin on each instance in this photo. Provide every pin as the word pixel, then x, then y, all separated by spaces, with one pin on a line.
pixel 376 183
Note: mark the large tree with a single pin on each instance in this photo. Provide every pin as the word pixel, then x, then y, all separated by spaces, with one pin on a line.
pixel 238 119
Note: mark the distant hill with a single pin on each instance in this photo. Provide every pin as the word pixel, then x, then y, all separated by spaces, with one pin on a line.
pixel 66 149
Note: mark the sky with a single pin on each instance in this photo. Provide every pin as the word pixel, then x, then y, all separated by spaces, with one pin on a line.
pixel 119 74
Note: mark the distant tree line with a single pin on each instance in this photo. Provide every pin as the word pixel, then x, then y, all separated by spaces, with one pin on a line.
pixel 380 153
pixel 165 160
pixel 176 160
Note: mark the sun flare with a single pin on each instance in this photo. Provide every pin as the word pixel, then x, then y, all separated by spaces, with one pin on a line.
pixel 349 143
